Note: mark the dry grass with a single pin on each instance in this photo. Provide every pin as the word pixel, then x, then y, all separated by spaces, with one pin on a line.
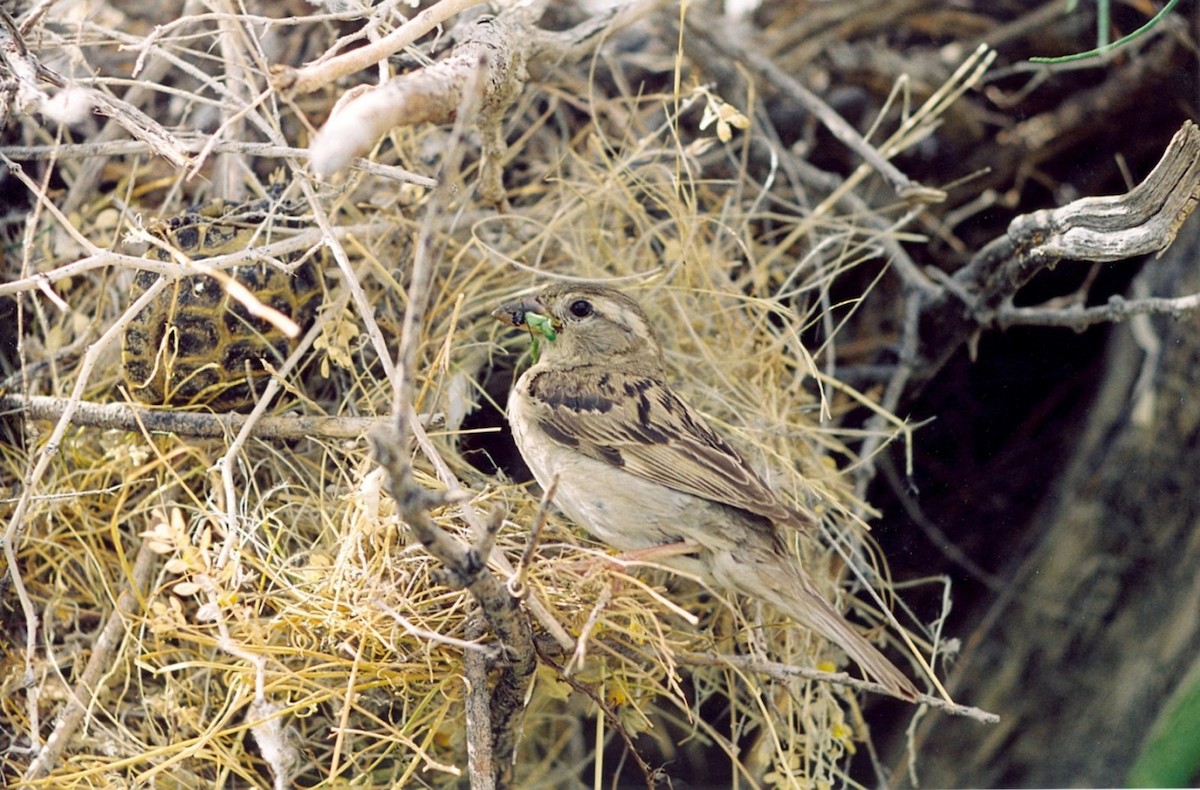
pixel 292 627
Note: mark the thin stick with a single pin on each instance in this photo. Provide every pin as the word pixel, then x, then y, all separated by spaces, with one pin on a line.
pixel 906 188
pixel 132 417
pixel 101 662
pixel 492 729
pixel 788 672
pixel 317 75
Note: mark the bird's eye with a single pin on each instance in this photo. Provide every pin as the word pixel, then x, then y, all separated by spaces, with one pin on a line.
pixel 581 308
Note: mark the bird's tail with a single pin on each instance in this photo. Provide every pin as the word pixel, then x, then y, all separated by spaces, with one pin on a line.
pixel 792 594
pixel 809 609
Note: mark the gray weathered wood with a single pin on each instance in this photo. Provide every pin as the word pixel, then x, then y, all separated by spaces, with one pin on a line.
pixel 1103 620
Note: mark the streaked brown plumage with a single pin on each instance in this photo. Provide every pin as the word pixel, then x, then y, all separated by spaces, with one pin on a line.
pixel 639 468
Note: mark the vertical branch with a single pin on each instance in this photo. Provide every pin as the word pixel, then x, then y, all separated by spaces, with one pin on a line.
pixel 481 759
pixel 493 717
pixel 104 652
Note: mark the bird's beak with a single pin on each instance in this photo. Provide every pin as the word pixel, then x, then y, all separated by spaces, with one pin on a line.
pixel 513 313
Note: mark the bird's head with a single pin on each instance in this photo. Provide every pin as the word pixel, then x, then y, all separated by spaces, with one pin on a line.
pixel 582 324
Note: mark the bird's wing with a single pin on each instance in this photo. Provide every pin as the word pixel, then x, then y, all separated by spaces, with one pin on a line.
pixel 638 424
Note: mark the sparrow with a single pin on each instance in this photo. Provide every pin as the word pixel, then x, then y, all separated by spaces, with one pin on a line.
pixel 640 469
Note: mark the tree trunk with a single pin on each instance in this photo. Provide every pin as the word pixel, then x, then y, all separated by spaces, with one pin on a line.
pixel 1102 621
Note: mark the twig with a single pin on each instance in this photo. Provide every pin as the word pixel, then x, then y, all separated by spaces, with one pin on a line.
pixel 788 672
pixel 130 417
pixel 99 664
pixel 516 584
pixel 1079 318
pixel 468 645
pixel 97 259
pixel 704 27
pixel 30 98
pixel 317 75
pixel 69 151
pixel 491 755
pixel 609 715
pixel 896 387
pixel 221 95
pixel 142 127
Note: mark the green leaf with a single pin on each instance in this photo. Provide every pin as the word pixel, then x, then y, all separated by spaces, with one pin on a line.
pixel 1170 755
pixel 1102 39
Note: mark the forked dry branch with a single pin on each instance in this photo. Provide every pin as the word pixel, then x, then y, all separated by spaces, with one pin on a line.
pixel 496 53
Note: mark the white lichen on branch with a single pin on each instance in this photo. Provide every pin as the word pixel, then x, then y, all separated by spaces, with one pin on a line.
pixel 493 55
pixel 490 56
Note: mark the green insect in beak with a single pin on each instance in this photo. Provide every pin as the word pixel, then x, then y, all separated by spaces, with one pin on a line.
pixel 539 326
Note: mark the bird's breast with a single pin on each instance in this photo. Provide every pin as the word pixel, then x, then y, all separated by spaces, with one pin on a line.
pixel 619 508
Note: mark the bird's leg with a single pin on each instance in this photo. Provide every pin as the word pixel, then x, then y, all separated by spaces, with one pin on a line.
pixel 649 554
pixel 618 565
pixel 660 552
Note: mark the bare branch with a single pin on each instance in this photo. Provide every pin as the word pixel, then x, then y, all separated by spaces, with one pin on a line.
pixel 91 682
pixel 493 47
pixel 1142 221
pixel 481 759
pixel 127 417
pixel 1079 318
pixel 788 672
pixel 496 50
pixel 493 751
pixel 466 566
pixel 317 75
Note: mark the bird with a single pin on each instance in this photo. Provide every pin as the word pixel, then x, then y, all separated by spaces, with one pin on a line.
pixel 641 470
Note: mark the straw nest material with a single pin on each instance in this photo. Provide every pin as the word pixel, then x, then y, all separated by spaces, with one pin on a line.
pixel 280 624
